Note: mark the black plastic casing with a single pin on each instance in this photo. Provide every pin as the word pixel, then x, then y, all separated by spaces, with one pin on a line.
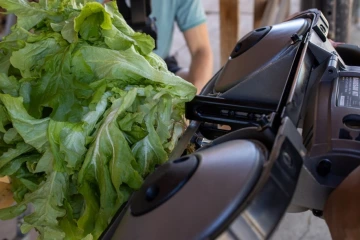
pixel 275 82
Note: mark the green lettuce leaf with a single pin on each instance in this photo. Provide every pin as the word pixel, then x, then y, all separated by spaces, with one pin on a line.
pixel 57 90
pixel 12 136
pixel 111 64
pixel 4 62
pixel 90 9
pixel 32 56
pixel 71 138
pixel 114 166
pixel 13 153
pixel 29 14
pixel 68 31
pixel 4 120
pixel 69 225
pixel 12 42
pixel 45 163
pixel 19 190
pixel 48 201
pixel 12 212
pixel 9 85
pixel 149 151
pixel 87 111
pixel 117 20
pixel 117 40
pixel 32 130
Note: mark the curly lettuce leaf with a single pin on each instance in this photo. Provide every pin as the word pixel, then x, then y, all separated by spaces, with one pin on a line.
pixel 71 138
pixel 111 64
pixel 117 40
pixel 69 225
pixel 30 58
pixel 86 112
pixel 149 151
pixel 13 153
pixel 13 166
pixel 9 85
pixel 45 162
pixel 48 201
pixel 11 136
pixel 29 13
pixel 109 162
pixel 68 31
pixel 32 130
pixel 58 90
pixel 4 62
pixel 90 9
pixel 4 120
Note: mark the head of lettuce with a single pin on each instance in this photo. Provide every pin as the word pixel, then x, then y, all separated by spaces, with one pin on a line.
pixel 86 112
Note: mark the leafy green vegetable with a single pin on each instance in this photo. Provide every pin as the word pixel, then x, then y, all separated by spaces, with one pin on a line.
pixel 32 130
pixel 86 112
pixel 29 14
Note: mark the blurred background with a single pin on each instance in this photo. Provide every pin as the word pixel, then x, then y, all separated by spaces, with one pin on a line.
pixel 261 13
pixel 228 21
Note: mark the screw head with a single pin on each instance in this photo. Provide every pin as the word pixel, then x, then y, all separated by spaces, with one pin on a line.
pixel 317 213
pixel 152 192
pixel 324 167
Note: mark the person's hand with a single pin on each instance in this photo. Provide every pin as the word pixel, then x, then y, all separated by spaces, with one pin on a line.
pixel 342 210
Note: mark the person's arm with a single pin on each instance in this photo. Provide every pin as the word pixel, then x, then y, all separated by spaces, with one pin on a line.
pixel 342 209
pixel 201 67
pixel 191 19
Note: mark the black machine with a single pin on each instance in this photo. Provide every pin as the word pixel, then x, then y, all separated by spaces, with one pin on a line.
pixel 137 13
pixel 290 103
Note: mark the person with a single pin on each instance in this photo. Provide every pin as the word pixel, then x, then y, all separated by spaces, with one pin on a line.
pixel 190 17
pixel 342 209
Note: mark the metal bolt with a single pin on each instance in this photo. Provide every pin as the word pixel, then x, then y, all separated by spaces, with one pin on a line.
pixel 152 192
pixel 317 213
pixel 324 167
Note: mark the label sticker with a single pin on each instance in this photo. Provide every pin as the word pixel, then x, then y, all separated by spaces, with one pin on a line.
pixel 348 92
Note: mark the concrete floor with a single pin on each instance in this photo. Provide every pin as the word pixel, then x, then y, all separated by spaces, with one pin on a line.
pixel 295 226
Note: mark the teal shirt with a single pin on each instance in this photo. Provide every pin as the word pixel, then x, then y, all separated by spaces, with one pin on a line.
pixel 186 13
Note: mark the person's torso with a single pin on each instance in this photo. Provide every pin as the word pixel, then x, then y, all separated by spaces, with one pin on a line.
pixel 165 13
